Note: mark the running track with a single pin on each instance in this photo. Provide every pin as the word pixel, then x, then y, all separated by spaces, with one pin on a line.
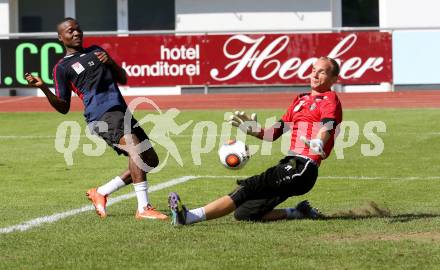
pixel 404 99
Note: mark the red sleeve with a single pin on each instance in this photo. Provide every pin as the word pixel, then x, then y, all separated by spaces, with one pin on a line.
pixel 331 109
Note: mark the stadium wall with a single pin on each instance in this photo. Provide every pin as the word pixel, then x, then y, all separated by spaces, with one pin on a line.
pixel 248 15
pixel 4 15
pixel 409 13
pixel 415 55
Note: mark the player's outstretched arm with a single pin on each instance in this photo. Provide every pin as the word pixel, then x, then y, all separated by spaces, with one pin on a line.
pixel 249 125
pixel 58 104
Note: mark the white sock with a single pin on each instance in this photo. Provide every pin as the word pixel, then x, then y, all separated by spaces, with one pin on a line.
pixel 195 215
pixel 141 194
pixel 111 186
pixel 292 213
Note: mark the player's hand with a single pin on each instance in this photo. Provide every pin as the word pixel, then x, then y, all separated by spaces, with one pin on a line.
pixel 248 124
pixel 33 80
pixel 104 58
pixel 317 146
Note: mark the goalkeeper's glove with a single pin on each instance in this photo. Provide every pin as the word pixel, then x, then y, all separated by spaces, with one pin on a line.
pixel 248 125
pixel 317 146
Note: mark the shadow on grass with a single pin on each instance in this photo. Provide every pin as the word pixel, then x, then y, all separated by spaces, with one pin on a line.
pixel 372 210
pixel 410 217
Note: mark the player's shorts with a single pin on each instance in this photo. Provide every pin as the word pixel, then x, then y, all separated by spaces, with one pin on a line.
pixel 115 131
pixel 259 194
pixel 254 210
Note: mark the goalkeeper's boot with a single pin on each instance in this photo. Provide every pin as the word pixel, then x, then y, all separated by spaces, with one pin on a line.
pixel 308 211
pixel 178 210
pixel 150 213
pixel 99 202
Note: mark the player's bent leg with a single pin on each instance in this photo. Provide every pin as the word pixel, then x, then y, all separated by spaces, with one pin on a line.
pixel 257 196
pixel 262 210
pixel 150 158
pixel 219 208
pixel 258 210
pixel 126 177
pixel 146 160
pixel 138 175
pixel 128 143
pixel 125 144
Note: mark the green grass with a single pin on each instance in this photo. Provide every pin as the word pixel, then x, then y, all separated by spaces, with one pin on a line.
pixel 404 179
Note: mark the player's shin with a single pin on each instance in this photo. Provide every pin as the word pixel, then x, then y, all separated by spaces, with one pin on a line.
pixel 111 186
pixel 141 190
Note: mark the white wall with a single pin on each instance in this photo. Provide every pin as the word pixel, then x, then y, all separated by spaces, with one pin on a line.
pixel 236 15
pixel 4 15
pixel 409 13
pixel 415 57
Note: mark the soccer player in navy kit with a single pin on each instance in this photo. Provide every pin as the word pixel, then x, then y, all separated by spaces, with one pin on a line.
pixel 93 75
pixel 315 116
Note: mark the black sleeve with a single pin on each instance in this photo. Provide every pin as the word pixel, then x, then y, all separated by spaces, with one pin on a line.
pixel 329 123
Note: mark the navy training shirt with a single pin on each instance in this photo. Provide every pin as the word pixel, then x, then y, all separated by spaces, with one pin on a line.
pixel 91 80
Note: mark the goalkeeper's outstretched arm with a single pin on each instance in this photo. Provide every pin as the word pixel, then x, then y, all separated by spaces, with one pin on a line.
pixel 272 133
pixel 249 125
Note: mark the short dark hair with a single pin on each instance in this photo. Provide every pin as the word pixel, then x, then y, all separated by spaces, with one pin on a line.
pixel 335 66
pixel 67 19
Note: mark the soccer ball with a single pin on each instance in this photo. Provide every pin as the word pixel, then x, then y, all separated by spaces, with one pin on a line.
pixel 234 154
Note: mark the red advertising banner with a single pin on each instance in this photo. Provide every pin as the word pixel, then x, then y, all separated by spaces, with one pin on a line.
pixel 275 59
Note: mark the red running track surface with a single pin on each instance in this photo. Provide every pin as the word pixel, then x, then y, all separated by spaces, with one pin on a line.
pixel 404 99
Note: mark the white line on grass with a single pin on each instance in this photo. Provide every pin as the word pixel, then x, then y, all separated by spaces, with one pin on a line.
pixel 58 216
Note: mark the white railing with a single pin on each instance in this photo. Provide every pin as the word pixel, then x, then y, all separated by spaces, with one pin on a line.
pixel 171 32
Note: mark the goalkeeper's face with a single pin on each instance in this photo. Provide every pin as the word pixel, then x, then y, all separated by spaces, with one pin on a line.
pixel 322 77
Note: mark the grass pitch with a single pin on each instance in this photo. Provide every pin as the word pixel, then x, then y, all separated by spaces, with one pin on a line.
pixel 383 210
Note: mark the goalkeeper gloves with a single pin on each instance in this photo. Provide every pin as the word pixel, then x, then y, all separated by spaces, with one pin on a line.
pixel 316 145
pixel 248 124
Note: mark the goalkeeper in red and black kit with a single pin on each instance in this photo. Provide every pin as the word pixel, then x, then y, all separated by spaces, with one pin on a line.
pixel 93 75
pixel 313 119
